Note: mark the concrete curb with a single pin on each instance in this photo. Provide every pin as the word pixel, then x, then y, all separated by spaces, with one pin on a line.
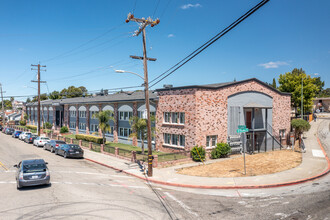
pixel 227 187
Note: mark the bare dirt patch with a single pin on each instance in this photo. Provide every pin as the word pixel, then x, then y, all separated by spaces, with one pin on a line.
pixel 256 164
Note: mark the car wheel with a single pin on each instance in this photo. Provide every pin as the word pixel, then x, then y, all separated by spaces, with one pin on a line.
pixel 44 147
pixel 65 155
pixel 37 145
pixel 56 152
pixel 18 186
pixel 52 150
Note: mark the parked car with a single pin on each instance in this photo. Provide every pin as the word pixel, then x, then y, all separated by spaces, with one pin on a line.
pixel 23 135
pixel 30 138
pixel 70 150
pixel 10 131
pixel 1 127
pixel 52 145
pixel 4 129
pixel 16 134
pixel 31 173
pixel 40 141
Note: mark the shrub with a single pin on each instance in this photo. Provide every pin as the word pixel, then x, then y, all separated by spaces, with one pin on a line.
pixel 64 129
pixel 300 126
pixel 32 127
pixel 221 150
pixel 198 153
pixel 89 138
pixel 48 125
pixel 22 122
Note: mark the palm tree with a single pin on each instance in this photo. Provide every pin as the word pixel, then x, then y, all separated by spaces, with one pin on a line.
pixel 104 117
pixel 139 129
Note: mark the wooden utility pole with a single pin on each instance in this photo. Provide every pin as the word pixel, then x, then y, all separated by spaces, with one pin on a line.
pixel 3 109
pixel 143 24
pixel 38 81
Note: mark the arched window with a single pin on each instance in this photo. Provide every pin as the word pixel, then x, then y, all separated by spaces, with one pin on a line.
pixel 125 112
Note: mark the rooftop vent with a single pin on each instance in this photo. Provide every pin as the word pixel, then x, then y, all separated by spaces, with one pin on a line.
pixel 167 86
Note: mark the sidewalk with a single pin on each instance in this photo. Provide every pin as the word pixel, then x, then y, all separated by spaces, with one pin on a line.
pixel 314 165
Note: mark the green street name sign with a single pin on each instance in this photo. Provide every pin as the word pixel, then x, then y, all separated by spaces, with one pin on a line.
pixel 241 126
pixel 242 130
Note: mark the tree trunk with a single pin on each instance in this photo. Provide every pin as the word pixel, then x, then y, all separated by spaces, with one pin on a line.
pixel 142 145
pixel 103 138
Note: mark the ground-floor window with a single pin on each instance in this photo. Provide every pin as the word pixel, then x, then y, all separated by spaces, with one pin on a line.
pixel 125 132
pixel 174 139
pixel 94 128
pixel 111 130
pixel 73 125
pixel 82 126
pixel 211 141
pixel 282 133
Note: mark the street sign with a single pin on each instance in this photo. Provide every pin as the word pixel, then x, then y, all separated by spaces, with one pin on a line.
pixel 242 130
pixel 241 126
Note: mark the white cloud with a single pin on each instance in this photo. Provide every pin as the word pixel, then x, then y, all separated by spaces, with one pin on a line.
pixel 187 6
pixel 20 49
pixel 170 35
pixel 273 65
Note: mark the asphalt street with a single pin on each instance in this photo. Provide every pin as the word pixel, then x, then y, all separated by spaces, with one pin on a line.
pixel 83 190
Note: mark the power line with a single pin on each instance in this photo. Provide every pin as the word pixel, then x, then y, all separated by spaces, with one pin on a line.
pixel 156 8
pixel 168 3
pixel 208 43
pixel 60 55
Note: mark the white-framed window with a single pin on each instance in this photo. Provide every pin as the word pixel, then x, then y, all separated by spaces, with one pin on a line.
pixel 125 132
pixel 82 126
pixel 82 114
pixel 111 130
pixel 73 125
pixel 73 113
pixel 174 117
pixel 125 115
pixel 282 133
pixel 211 141
pixel 91 114
pixel 174 140
pixel 94 127
pixel 140 114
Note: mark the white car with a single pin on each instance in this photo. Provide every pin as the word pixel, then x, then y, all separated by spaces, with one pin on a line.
pixel 23 135
pixel 40 141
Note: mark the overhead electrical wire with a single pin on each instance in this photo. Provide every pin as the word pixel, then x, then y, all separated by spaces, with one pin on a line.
pixel 207 44
pixel 89 41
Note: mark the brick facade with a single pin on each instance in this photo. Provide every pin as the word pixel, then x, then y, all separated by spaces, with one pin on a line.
pixel 206 112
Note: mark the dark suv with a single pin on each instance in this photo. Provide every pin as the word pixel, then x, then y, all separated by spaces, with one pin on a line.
pixel 52 145
pixel 10 131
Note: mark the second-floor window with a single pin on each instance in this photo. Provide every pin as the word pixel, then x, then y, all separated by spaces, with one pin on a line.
pixel 125 116
pixel 174 117
pixel 73 113
pixel 92 113
pixel 82 114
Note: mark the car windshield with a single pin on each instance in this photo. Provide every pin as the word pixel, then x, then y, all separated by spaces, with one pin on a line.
pixel 32 168
pixel 45 139
pixel 75 147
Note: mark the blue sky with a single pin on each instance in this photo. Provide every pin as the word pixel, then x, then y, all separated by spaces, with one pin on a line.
pixel 89 39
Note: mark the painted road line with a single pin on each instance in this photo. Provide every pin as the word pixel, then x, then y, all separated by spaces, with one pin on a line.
pixel 3 166
pixel 317 153
pixel 88 173
pixel 184 206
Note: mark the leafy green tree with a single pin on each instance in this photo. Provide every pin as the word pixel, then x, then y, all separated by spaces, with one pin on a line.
pixel 291 82
pixel 25 116
pixel 42 97
pixel 12 99
pixel 28 100
pixel 73 91
pixel 324 93
pixel 274 83
pixel 104 117
pixel 139 128
pixel 300 126
pixel 55 95
pixel 6 104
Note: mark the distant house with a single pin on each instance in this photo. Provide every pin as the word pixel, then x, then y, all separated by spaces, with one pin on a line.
pixel 16 117
pixel 322 104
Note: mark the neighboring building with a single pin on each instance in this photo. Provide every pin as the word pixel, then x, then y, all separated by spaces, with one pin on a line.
pixel 185 116
pixel 323 104
pixel 17 105
pixel 15 117
pixel 76 113
pixel 204 115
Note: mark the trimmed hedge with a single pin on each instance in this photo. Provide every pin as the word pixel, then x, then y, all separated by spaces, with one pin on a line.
pixel 32 127
pixel 222 150
pixel 198 153
pixel 89 138
pixel 64 129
